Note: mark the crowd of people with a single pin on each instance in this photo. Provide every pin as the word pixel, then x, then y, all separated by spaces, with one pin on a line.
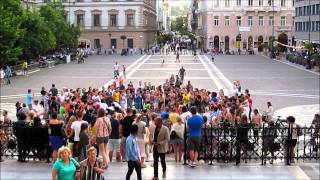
pixel 131 122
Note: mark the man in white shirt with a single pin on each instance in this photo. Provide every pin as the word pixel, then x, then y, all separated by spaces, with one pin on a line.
pixel 185 114
pixel 76 127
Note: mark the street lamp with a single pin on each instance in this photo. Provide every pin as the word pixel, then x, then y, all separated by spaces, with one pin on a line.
pixel 309 48
pixel 272 40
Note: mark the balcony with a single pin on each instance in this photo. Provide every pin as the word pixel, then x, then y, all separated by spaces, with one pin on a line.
pixel 266 8
pixel 283 28
pixel 115 28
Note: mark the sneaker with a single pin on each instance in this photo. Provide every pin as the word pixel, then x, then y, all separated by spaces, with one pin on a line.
pixel 193 164
pixel 164 175
pixel 143 166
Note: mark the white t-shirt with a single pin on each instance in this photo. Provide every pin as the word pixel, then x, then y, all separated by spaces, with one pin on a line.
pixel 186 115
pixel 116 67
pixel 76 126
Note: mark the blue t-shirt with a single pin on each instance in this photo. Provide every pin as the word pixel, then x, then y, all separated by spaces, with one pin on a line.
pixel 194 123
pixel 29 98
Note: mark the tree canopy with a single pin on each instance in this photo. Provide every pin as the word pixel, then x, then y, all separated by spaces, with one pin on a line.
pixel 26 34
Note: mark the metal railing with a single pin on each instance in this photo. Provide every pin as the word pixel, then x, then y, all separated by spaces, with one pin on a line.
pixel 220 144
pixel 28 142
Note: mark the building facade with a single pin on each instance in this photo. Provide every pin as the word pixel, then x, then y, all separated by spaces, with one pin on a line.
pixel 117 24
pixel 307 21
pixel 229 25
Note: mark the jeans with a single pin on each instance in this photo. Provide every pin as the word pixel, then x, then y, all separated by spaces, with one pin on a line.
pixel 83 152
pixel 156 156
pixel 134 165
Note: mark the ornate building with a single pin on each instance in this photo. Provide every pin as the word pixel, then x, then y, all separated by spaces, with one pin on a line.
pixel 113 23
pixel 245 24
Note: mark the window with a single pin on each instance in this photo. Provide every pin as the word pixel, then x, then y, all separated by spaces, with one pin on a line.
pixel 96 43
pixel 260 2
pixel 216 3
pixel 271 2
pixel 113 20
pixel 96 20
pixel 216 21
pixel 250 21
pixel 238 2
pixel 80 20
pixel 113 43
pixel 283 3
pixel 313 26
pixel 227 3
pixel 271 21
pixel 283 21
pixel 318 9
pixel 130 43
pixel 304 11
pixel 227 21
pixel 250 2
pixel 130 20
pixel 314 9
pixel 260 20
pixel 238 20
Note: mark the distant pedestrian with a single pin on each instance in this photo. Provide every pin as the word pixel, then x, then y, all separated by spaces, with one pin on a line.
pixel 133 153
pixel 24 67
pixel 2 75
pixel 8 74
pixel 124 71
pixel 177 57
pixel 29 99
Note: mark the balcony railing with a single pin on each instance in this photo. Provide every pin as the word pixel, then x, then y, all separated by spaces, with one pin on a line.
pixel 102 28
pixel 261 8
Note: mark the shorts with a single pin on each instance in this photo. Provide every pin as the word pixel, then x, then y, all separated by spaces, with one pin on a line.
pixel 56 142
pixel 193 143
pixel 142 147
pixel 114 145
pixel 102 140
pixel 177 141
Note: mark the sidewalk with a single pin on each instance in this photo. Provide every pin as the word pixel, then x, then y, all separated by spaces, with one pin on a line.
pixel 12 170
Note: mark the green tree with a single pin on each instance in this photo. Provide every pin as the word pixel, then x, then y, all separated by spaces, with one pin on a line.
pixel 66 35
pixel 11 17
pixel 179 25
pixel 38 38
pixel 282 38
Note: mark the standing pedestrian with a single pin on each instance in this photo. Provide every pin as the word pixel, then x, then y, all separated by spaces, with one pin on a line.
pixel 124 71
pixel 133 153
pixel 8 74
pixel 140 137
pixel 177 57
pixel 103 131
pixel 2 75
pixel 24 67
pixel 160 140
pixel 116 69
pixel 194 124
pixel 29 99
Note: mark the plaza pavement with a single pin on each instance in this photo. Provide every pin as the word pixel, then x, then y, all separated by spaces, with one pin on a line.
pixel 268 80
pixel 11 170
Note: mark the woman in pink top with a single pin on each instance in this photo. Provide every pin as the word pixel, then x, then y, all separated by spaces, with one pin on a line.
pixel 103 130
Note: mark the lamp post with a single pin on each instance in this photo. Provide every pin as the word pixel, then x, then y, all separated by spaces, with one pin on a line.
pixel 272 40
pixel 309 48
